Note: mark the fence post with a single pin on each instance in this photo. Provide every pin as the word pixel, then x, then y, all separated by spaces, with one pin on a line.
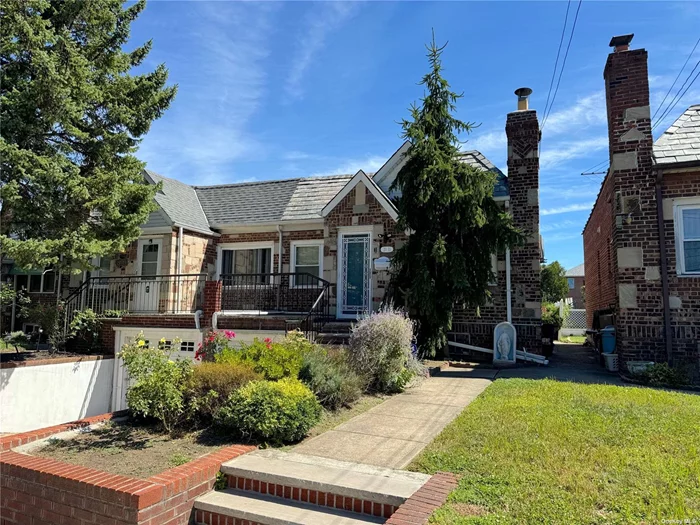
pixel 212 301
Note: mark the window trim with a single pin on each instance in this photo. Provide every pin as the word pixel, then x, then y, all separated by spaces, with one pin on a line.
pixel 319 243
pixel 41 290
pixel 244 246
pixel 678 207
pixel 571 282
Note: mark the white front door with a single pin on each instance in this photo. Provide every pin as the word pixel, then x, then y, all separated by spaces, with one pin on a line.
pixel 146 290
pixel 354 274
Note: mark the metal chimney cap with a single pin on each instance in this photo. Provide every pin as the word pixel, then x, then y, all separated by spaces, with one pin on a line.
pixel 622 40
pixel 523 92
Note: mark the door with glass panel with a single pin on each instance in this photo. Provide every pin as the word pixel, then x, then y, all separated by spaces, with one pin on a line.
pixel 355 275
pixel 146 291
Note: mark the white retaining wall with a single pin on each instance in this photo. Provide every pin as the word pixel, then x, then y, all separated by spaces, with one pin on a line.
pixel 37 396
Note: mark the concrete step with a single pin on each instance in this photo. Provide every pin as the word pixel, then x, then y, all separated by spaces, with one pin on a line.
pixel 263 509
pixel 341 327
pixel 332 338
pixel 364 488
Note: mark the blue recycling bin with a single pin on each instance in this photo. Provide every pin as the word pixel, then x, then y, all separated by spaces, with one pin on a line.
pixel 607 336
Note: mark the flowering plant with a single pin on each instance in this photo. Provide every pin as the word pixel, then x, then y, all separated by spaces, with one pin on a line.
pixel 214 343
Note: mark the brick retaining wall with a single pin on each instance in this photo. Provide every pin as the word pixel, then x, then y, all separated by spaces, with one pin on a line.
pixel 39 490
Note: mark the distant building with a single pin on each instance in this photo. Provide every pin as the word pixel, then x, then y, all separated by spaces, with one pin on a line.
pixel 575 278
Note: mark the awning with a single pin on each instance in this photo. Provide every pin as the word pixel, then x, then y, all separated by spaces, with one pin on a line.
pixel 19 271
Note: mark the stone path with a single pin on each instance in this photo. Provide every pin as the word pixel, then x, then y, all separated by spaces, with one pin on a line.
pixel 394 432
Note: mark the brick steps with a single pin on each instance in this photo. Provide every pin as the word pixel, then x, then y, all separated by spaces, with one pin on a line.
pixel 333 490
pixel 238 507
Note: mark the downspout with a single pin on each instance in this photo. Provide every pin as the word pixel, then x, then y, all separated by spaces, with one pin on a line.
pixel 509 311
pixel 279 264
pixel 668 335
pixel 509 308
pixel 178 267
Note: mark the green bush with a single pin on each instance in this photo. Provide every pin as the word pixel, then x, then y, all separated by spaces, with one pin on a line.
pixel 550 315
pixel 331 378
pixel 661 374
pixel 273 411
pixel 221 378
pixel 160 387
pixel 274 360
pixel 84 330
pixel 380 350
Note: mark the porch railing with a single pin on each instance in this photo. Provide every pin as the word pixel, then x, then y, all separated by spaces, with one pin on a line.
pixel 135 294
pixel 270 292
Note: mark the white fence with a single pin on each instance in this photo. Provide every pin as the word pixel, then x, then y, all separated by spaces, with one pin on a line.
pixel 574 319
pixel 37 396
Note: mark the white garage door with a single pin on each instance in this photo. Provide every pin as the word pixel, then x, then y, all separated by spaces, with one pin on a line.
pixel 190 339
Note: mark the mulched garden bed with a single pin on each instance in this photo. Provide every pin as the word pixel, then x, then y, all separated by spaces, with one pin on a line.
pixel 131 450
pixel 10 355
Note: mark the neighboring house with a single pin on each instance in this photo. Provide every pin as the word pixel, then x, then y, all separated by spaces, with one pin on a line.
pixel 575 280
pixel 642 239
pixel 301 252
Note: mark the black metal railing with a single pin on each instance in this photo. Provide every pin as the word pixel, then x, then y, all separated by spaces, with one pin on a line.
pixel 271 292
pixel 136 294
pixel 318 315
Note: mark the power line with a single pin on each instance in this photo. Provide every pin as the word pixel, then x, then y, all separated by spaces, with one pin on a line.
pixel 676 80
pixel 563 65
pixel 556 62
pixel 594 167
pixel 678 98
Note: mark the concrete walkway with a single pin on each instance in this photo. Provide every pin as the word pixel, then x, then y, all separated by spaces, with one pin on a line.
pixel 394 432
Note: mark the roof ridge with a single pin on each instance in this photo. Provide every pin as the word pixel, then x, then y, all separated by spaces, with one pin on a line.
pixel 271 181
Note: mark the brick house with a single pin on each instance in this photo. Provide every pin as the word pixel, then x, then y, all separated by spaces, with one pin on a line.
pixel 300 252
pixel 575 281
pixel 642 239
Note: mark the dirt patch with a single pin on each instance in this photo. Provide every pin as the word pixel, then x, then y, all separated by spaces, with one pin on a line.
pixel 467 509
pixel 10 355
pixel 131 450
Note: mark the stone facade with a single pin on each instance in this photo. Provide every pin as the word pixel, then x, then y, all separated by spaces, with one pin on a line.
pixel 622 247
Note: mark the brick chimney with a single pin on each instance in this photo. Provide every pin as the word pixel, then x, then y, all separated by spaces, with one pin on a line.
pixel 523 132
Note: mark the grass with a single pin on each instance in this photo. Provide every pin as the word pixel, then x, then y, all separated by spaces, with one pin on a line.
pixel 554 452
pixel 577 339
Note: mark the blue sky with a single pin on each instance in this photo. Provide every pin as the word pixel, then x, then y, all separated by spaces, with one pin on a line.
pixel 278 90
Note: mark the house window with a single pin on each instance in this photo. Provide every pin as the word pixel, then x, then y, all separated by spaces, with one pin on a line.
pixel 687 223
pixel 307 259
pixel 570 280
pixel 103 266
pixel 44 282
pixel 250 263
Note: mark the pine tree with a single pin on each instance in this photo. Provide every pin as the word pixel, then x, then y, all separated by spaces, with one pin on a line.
pixel 72 117
pixel 448 207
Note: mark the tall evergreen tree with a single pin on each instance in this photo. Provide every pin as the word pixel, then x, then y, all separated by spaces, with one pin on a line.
pixel 72 117
pixel 448 207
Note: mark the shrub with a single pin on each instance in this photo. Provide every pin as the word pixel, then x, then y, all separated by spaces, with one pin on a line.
pixel 661 374
pixel 274 360
pixel 331 378
pixel 273 411
pixel 159 386
pixel 221 378
pixel 214 343
pixel 380 349
pixel 550 315
pixel 84 330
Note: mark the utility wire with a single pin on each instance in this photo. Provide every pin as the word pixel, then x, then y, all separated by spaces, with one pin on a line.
pixel 592 169
pixel 556 62
pixel 676 80
pixel 678 96
pixel 563 64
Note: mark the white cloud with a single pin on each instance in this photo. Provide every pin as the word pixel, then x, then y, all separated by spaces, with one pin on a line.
pixel 560 225
pixel 369 164
pixel 586 112
pixel 559 153
pixel 489 142
pixel 324 18
pixel 207 126
pixel 567 209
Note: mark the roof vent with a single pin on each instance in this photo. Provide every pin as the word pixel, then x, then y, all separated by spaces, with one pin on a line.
pixel 621 43
pixel 523 95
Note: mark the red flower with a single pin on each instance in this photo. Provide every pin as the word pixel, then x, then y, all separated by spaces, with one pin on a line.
pixel 268 340
pixel 230 334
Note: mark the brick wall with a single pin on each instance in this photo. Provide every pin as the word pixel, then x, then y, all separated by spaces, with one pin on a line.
pixel 48 492
pixel 107 334
pixel 600 258
pixel 575 293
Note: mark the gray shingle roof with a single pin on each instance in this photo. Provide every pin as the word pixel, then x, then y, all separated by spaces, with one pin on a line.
pixel 269 201
pixel 179 202
pixel 576 271
pixel 680 142
pixel 476 159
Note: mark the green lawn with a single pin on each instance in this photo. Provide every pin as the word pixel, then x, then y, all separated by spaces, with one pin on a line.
pixel 552 452
pixel 578 339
